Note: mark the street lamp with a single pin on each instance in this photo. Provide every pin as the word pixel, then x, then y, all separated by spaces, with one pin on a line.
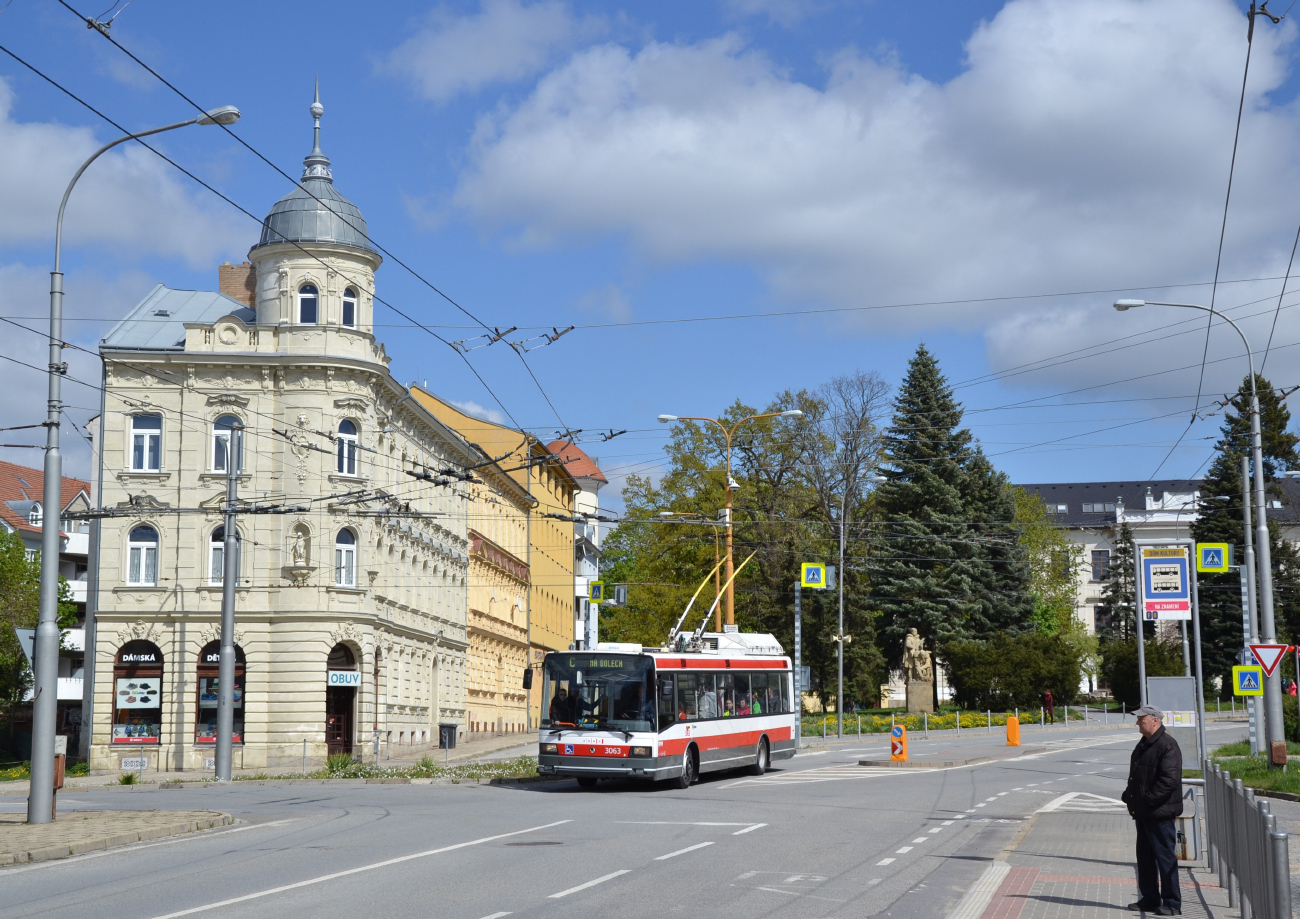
pixel 45 656
pixel 731 484
pixel 1274 730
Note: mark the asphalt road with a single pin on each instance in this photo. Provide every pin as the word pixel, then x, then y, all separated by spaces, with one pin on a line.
pixel 819 837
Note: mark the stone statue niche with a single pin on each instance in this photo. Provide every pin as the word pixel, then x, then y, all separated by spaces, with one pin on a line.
pixel 918 671
pixel 300 567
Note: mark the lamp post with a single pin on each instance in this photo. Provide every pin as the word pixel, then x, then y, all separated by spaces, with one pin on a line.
pixel 1273 726
pixel 45 656
pixel 689 517
pixel 731 484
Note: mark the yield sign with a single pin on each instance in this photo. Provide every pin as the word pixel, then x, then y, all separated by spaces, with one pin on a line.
pixel 1269 656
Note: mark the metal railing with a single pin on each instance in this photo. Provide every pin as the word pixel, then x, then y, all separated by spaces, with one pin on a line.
pixel 1246 848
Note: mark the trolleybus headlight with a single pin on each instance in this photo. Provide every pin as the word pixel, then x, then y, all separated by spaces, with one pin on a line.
pixel 640 751
pixel 550 748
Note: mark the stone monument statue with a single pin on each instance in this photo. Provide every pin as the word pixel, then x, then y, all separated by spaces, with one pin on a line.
pixel 919 673
pixel 299 551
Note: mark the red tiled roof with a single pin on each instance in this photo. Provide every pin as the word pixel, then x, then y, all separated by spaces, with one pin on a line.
pixel 579 464
pixel 12 488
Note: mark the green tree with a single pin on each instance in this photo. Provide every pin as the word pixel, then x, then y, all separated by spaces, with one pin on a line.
pixel 1119 665
pixel 1220 520
pixel 948 561
pixel 1119 590
pixel 19 608
pixel 1013 670
pixel 1053 560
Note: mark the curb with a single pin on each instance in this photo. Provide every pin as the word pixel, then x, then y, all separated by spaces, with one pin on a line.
pixel 51 853
pixel 949 763
pixel 1269 793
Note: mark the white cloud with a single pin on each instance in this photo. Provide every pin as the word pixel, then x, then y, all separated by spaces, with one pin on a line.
pixel 608 302
pixel 129 200
pixel 505 42
pixel 1084 146
pixel 479 411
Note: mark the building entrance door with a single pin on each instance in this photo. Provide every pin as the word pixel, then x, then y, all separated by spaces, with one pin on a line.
pixel 338 719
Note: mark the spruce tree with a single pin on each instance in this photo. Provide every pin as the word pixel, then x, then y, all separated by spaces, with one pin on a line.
pixel 1221 521
pixel 1119 591
pixel 946 560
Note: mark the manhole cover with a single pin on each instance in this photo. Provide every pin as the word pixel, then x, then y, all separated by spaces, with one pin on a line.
pixel 535 843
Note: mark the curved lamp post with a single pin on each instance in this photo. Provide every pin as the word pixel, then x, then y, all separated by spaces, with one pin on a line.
pixel 45 656
pixel 731 485
pixel 1273 729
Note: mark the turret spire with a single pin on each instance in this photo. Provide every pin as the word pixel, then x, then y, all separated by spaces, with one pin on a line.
pixel 317 163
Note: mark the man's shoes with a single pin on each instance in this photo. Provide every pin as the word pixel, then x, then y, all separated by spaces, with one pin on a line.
pixel 1140 907
pixel 1169 911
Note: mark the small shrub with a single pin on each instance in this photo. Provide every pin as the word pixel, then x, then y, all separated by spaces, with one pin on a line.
pixel 126 778
pixel 80 767
pixel 1119 666
pixel 339 763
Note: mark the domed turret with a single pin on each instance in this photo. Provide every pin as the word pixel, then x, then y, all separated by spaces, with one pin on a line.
pixel 315 212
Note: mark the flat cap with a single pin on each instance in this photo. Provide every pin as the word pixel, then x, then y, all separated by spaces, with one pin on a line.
pixel 1148 710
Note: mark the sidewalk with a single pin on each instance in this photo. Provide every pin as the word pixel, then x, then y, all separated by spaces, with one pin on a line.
pixel 1077 865
pixel 89 831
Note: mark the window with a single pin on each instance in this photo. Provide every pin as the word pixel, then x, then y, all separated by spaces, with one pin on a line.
pixel 1099 508
pixel 1058 508
pixel 146 443
pixel 350 308
pixel 137 693
pixel 217 556
pixel 208 691
pixel 35 515
pixel 1100 564
pixel 223 430
pixel 347 453
pixel 308 302
pixel 345 559
pixel 142 556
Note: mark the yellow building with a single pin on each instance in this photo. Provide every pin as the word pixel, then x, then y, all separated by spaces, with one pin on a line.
pixel 550 525
pixel 498 603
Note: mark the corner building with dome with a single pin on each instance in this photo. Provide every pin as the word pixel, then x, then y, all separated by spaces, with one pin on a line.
pixel 352 594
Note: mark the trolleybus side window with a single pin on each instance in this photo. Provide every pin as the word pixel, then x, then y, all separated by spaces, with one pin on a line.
pixel 758 694
pixel 708 696
pixel 688 699
pixel 667 704
pixel 742 694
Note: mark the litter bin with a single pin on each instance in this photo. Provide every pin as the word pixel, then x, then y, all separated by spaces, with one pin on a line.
pixel 447 736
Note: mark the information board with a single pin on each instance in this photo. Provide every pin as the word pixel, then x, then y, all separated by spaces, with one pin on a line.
pixel 1164 589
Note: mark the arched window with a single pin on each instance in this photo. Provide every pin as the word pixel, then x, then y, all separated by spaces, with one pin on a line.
pixel 208 686
pixel 137 693
pixel 350 308
pixel 146 443
pixel 308 302
pixel 223 430
pixel 35 516
pixel 217 556
pixel 347 453
pixel 345 559
pixel 142 556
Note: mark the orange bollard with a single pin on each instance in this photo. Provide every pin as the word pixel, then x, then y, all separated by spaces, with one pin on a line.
pixel 1013 731
pixel 898 744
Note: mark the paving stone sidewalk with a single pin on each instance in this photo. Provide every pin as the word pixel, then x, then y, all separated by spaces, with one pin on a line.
pixel 1081 866
pixel 89 831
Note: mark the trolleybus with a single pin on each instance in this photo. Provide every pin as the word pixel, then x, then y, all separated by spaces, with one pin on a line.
pixel 723 701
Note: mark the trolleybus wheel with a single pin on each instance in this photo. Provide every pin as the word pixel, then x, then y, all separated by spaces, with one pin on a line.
pixel 690 769
pixel 587 781
pixel 761 762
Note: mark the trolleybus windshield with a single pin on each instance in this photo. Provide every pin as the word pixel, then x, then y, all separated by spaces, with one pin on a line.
pixel 595 691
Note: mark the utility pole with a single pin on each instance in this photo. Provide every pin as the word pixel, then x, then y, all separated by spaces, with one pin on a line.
pixel 798 662
pixel 229 579
pixel 839 651
pixel 1251 625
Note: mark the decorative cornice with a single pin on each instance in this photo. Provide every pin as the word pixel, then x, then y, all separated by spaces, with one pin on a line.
pixel 488 552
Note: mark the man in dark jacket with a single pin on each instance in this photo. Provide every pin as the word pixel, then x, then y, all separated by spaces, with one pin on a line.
pixel 1155 797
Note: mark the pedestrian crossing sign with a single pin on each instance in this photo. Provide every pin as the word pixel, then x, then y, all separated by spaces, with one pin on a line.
pixel 1248 681
pixel 596 591
pixel 1213 556
pixel 812 574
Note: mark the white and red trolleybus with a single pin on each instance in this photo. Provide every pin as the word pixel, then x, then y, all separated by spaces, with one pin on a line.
pixel 623 711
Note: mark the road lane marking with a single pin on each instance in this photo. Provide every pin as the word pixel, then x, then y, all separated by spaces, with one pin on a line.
pixel 679 823
pixel 788 893
pixel 746 875
pixel 1000 794
pixel 985 804
pixel 342 874
pixel 884 861
pixel 921 839
pixel 947 823
pixel 496 916
pixel 123 850
pixel 937 829
pixel 903 851
pixel 976 900
pixel 698 845
pixel 749 829
pixel 599 880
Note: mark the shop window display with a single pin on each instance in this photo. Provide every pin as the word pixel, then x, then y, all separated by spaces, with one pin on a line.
pixel 208 683
pixel 137 694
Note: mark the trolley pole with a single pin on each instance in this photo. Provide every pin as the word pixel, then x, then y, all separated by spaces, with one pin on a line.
pixel 229 576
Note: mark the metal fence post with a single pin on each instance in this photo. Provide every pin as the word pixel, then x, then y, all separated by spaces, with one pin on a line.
pixel 1281 875
pixel 990 721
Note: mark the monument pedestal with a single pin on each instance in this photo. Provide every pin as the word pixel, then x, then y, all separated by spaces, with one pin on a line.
pixel 920 696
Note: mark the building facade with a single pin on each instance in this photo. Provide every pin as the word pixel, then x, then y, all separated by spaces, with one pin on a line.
pixel 351 603
pixel 550 526
pixel 586 537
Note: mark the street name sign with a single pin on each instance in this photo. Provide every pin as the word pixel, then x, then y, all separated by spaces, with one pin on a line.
pixel 1248 681
pixel 1213 557
pixel 1269 656
pixel 812 574
pixel 1165 591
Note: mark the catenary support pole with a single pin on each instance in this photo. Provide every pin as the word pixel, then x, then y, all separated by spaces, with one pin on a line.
pixel 1250 627
pixel 798 666
pixel 229 581
pixel 1137 618
pixel 1201 749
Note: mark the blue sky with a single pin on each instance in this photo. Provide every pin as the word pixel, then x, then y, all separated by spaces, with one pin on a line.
pixel 925 171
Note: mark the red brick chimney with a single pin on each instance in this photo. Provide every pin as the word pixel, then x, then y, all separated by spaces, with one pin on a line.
pixel 238 282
